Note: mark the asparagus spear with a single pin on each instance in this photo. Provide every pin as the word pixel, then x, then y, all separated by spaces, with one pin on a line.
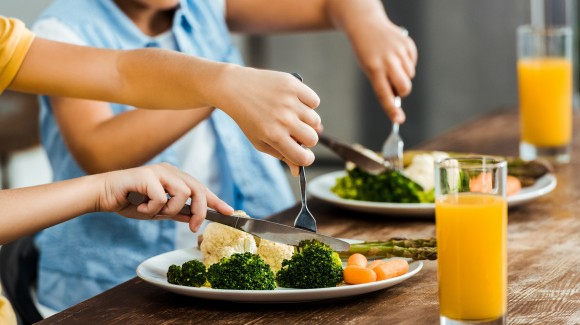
pixel 416 249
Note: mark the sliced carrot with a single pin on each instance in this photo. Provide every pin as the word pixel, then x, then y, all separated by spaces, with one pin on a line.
pixel 375 263
pixel 357 259
pixel 358 275
pixel 391 269
pixel 513 185
pixel 481 183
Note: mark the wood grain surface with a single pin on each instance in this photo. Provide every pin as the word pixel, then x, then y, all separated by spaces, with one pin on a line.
pixel 543 254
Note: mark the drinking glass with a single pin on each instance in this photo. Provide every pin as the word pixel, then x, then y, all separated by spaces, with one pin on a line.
pixel 545 92
pixel 471 219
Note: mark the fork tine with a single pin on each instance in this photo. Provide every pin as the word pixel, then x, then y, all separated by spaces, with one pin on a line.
pixel 305 219
pixel 393 146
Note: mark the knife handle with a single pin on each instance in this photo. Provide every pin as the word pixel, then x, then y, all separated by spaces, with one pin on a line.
pixel 138 198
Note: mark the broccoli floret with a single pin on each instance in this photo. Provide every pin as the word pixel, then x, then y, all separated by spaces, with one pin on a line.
pixel 191 273
pixel 174 274
pixel 245 271
pixel 313 265
pixel 389 186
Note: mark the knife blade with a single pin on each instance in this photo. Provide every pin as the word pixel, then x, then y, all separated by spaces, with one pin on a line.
pixel 261 228
pixel 362 157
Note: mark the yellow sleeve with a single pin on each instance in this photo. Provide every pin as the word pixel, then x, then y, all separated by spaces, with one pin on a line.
pixel 15 41
pixel 7 315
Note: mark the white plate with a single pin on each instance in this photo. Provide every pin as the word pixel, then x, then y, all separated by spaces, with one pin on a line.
pixel 154 271
pixel 320 186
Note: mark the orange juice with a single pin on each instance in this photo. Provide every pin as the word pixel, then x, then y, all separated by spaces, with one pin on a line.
pixel 545 93
pixel 472 257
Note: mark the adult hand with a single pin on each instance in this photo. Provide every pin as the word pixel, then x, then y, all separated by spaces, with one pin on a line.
pixel 388 57
pixel 275 111
pixel 385 52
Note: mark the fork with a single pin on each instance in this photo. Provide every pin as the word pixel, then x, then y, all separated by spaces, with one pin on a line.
pixel 393 146
pixel 305 219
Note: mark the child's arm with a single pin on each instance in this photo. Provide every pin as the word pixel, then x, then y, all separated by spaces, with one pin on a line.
pixel 31 209
pixel 101 141
pixel 273 109
pixel 387 56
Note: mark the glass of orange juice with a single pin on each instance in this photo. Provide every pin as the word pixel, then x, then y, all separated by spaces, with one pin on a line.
pixel 545 92
pixel 471 219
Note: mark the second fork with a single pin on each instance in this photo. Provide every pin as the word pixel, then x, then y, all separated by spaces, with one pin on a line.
pixel 393 146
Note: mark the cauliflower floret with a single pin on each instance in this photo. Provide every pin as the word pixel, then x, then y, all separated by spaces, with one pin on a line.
pixel 222 241
pixel 422 169
pixel 274 253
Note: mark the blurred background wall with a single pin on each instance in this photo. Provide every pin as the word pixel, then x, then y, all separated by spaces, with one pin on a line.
pixel 467 54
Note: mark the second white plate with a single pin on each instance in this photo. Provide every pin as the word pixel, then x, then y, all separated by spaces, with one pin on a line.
pixel 320 186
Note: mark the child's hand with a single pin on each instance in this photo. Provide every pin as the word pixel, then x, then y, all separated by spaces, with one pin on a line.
pixel 275 111
pixel 155 181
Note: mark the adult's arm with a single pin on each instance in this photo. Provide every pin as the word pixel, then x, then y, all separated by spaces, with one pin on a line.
pixel 273 108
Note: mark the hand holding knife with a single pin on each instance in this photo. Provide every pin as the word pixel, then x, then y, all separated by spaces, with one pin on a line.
pixel 261 228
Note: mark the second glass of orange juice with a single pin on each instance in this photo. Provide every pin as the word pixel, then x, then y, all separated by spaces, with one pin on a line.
pixel 545 92
pixel 471 218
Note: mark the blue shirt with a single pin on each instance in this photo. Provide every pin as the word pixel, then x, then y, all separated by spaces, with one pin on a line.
pixel 94 252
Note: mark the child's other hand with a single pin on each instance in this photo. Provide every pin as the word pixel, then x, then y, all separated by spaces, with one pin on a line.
pixel 275 111
pixel 388 57
pixel 155 181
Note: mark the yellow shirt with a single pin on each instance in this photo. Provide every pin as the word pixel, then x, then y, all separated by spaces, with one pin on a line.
pixel 15 41
pixel 7 316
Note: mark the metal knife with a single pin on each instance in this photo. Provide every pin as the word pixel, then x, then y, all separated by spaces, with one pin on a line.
pixel 261 228
pixel 362 157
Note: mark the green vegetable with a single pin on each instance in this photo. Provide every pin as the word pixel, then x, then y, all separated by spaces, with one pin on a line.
pixel 389 186
pixel 416 249
pixel 191 274
pixel 313 265
pixel 245 271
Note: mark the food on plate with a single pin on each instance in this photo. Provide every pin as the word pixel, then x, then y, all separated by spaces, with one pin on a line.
pixel 191 273
pixel 513 185
pixel 221 241
pixel 391 269
pixel 415 183
pixel 422 169
pixel 274 253
pixel 389 186
pixel 375 263
pixel 416 249
pixel 527 171
pixel 241 271
pixel 357 259
pixel 356 272
pixel 313 265
pixel 245 263
pixel 483 183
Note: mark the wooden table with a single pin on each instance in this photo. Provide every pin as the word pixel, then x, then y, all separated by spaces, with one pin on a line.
pixel 543 253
